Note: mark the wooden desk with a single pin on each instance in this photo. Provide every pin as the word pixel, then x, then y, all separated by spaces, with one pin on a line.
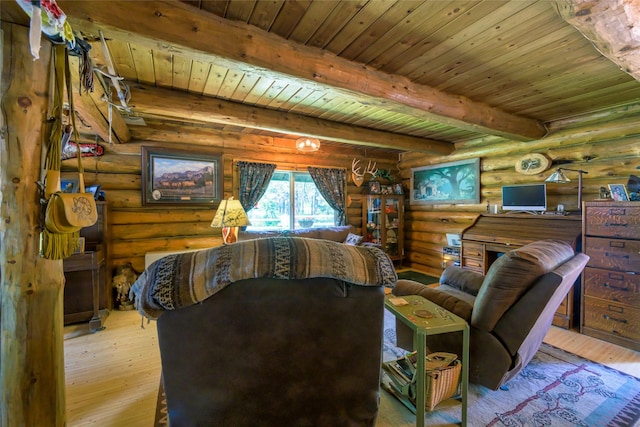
pixel 492 235
pixel 443 322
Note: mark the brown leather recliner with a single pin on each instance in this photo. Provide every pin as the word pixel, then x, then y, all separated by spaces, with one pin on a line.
pixel 268 351
pixel 509 310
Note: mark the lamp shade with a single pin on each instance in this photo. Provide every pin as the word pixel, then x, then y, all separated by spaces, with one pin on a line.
pixel 230 214
pixel 559 177
pixel 307 144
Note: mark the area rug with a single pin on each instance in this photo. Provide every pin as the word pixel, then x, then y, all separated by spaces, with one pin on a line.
pixel 556 389
pixel 417 277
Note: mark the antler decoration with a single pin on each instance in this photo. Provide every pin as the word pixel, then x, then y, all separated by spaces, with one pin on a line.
pixel 357 176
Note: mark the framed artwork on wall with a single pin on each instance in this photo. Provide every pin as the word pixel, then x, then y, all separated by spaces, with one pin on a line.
pixel 446 183
pixel 180 178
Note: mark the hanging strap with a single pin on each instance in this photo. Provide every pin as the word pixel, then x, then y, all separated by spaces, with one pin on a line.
pixel 72 115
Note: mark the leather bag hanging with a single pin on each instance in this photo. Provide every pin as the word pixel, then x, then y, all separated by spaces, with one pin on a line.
pixel 66 213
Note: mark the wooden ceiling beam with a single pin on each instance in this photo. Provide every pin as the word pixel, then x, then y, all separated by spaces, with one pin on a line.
pixel 612 27
pixel 170 103
pixel 178 28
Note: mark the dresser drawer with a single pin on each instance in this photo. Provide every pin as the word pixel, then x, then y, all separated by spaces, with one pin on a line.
pixel 614 318
pixel 612 221
pixel 612 285
pixel 473 250
pixel 617 254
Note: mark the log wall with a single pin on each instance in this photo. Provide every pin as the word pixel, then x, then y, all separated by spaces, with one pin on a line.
pixel 138 229
pixel 605 145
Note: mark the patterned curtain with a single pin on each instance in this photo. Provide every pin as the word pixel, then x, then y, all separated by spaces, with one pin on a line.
pixel 331 184
pixel 254 179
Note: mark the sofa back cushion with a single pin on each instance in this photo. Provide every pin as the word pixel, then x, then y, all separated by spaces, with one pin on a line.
pixel 336 234
pixel 512 275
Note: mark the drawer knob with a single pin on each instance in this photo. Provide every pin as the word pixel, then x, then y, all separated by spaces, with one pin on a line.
pixel 606 317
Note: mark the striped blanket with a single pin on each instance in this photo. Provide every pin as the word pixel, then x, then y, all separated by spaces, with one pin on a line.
pixel 184 279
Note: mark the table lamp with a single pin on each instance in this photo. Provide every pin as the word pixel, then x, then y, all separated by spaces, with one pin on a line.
pixel 229 216
pixel 559 177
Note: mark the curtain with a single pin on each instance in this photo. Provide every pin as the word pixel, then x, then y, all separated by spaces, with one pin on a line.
pixel 254 179
pixel 331 184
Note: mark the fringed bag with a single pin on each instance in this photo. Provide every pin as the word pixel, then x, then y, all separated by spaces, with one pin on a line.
pixel 66 213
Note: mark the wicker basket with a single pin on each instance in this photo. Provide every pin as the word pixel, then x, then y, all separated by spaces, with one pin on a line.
pixel 441 384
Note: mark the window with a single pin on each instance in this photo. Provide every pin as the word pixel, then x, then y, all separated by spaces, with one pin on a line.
pixel 278 210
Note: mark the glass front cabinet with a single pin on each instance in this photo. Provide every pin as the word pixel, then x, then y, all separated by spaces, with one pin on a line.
pixel 383 222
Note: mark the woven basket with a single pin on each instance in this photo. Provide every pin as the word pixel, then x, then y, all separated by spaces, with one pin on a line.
pixel 441 384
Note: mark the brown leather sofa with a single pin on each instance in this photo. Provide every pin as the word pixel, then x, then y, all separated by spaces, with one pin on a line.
pixel 302 349
pixel 509 310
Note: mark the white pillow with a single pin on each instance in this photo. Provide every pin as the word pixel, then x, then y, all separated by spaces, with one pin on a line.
pixel 353 239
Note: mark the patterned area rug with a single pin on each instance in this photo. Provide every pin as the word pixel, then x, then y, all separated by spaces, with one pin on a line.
pixel 556 389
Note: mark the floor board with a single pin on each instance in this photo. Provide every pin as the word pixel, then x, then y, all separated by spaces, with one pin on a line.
pixel 112 376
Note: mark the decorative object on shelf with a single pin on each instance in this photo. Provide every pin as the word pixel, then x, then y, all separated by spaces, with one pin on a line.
pixel 633 185
pixel 384 174
pixel 560 178
pixel 604 194
pixel 307 144
pixel 397 189
pixel 357 177
pixel 172 177
pixel 374 187
pixel 229 216
pixel 446 183
pixel 619 192
pixel 532 164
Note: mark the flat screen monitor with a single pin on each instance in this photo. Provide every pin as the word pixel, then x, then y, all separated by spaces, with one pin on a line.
pixel 527 197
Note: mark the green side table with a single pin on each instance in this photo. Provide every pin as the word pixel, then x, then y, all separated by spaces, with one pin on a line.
pixel 441 322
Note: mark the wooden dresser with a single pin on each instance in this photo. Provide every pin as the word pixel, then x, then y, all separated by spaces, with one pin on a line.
pixel 611 280
pixel 492 235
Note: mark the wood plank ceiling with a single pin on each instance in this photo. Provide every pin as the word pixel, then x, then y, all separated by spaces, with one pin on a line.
pixel 407 75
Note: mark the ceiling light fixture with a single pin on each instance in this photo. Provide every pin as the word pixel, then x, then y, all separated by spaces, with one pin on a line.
pixel 307 144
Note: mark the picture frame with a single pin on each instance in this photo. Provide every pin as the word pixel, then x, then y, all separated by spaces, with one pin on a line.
pixel 180 178
pixel 397 189
pixel 69 185
pixel 374 187
pixel 93 190
pixel 619 192
pixel 387 189
pixel 446 183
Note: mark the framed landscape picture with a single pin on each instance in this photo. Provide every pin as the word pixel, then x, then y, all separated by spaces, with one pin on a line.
pixel 446 183
pixel 172 177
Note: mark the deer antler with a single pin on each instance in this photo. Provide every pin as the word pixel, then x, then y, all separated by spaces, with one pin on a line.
pixel 371 169
pixel 354 170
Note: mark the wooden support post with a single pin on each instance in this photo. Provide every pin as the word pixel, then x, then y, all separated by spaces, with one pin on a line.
pixel 32 389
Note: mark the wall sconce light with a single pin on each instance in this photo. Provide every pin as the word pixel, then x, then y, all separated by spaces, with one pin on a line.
pixel 307 144
pixel 229 216
pixel 560 178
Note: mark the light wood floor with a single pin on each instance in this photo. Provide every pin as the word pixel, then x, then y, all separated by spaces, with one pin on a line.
pixel 112 376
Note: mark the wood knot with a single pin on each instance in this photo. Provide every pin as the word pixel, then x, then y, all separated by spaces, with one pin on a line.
pixel 24 102
pixel 16 180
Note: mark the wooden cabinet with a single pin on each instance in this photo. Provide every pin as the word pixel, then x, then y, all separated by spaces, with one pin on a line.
pixel 611 280
pixel 383 220
pixel 87 291
pixel 492 235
